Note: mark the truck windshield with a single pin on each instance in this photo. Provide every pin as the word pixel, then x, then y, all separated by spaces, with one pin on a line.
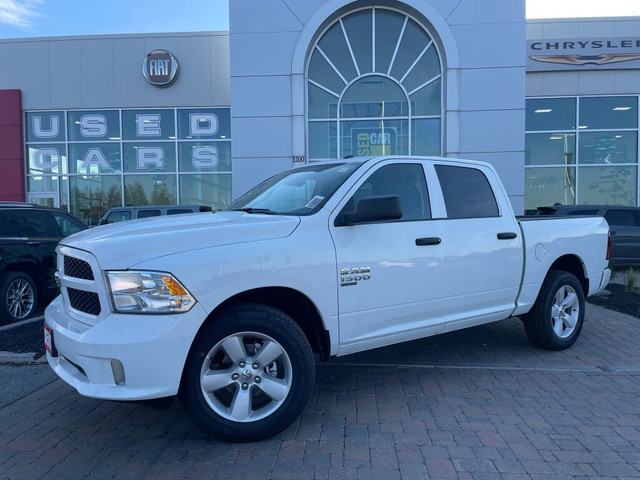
pixel 302 191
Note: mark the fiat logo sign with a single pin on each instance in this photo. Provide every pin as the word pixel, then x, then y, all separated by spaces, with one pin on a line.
pixel 160 68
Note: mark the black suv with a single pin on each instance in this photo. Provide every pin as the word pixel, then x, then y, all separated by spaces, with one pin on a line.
pixel 624 225
pixel 29 235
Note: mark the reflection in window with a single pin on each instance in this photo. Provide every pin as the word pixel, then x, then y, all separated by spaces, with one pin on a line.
pixel 149 190
pixel 550 149
pixel 209 190
pixel 603 145
pixel 397 81
pixel 92 196
pixel 608 185
pixel 548 186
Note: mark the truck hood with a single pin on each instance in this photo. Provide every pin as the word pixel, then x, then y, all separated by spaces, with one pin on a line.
pixel 125 244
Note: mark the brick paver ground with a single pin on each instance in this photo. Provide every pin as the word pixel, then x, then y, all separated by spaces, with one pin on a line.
pixel 477 404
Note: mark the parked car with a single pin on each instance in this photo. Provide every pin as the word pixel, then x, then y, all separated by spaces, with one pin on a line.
pixel 29 235
pixel 120 214
pixel 624 226
pixel 332 258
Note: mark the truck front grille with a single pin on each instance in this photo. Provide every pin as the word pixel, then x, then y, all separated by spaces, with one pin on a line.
pixel 87 302
pixel 74 267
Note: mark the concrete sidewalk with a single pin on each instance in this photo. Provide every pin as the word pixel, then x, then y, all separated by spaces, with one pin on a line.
pixel 475 404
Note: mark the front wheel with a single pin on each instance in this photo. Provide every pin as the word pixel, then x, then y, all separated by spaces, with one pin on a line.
pixel 555 320
pixel 249 374
pixel 18 295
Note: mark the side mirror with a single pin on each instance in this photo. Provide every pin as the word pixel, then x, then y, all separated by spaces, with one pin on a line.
pixel 372 209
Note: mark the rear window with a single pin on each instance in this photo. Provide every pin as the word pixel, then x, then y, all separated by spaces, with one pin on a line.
pixel 12 224
pixel 467 193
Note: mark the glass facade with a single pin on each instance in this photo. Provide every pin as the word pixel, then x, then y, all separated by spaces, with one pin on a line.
pixel 374 87
pixel 87 161
pixel 581 150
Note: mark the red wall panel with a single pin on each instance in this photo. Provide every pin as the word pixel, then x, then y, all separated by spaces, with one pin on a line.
pixel 12 175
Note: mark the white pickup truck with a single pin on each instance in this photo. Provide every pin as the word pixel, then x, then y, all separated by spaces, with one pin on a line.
pixel 226 309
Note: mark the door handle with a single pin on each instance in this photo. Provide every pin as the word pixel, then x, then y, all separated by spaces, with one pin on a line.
pixel 421 242
pixel 34 243
pixel 507 235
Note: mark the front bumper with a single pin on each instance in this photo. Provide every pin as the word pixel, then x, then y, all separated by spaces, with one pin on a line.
pixel 150 349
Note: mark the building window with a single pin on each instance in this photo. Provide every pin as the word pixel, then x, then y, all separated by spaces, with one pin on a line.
pixel 374 87
pixel 87 161
pixel 581 150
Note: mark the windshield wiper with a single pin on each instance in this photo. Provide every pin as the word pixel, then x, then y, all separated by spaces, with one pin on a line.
pixel 266 211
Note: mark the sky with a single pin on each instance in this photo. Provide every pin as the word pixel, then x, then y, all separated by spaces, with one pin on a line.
pixel 45 18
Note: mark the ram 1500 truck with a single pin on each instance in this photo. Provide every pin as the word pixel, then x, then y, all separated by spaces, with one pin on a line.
pixel 227 309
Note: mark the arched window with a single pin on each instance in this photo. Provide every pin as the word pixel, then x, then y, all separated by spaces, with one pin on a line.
pixel 374 87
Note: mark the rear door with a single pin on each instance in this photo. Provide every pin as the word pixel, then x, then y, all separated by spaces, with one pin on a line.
pixel 624 225
pixel 481 247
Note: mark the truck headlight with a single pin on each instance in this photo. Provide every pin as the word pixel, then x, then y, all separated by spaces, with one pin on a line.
pixel 148 292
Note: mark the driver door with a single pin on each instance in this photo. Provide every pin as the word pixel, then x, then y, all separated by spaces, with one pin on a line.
pixel 389 271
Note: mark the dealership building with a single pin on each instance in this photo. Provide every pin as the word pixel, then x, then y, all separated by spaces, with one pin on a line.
pixel 91 122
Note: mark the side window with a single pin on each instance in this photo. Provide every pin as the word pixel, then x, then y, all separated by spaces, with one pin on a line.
pixel 40 223
pixel 148 213
pixel 620 218
pixel 404 180
pixel 114 217
pixel 12 224
pixel 68 225
pixel 178 211
pixel 467 192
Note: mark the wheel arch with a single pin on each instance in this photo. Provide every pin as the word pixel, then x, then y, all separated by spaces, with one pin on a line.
pixel 291 302
pixel 574 265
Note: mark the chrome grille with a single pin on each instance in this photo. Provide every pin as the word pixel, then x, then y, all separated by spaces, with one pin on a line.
pixel 74 267
pixel 87 302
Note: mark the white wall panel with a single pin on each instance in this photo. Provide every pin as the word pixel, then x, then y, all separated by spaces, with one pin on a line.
pixel 220 70
pixel 34 74
pixel 627 28
pixel 534 84
pixel 261 137
pixel 487 11
pixel 492 131
pixel 9 65
pixel 597 29
pixel 561 30
pixel 262 54
pixel 627 81
pixel 560 83
pixel 482 46
pixel 128 83
pixel 97 73
pixel 262 96
pixel 592 82
pixel 264 16
pixel 65 68
pixel 192 53
pixel 492 88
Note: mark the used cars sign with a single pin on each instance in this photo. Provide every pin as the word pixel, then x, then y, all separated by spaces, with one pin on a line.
pixel 160 68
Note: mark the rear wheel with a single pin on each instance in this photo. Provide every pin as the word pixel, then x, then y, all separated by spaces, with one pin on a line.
pixel 556 319
pixel 18 296
pixel 249 374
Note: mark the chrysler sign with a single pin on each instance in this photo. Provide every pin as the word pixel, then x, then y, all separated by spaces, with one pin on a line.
pixel 160 68
pixel 583 53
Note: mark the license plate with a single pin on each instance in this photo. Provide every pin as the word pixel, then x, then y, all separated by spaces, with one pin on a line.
pixel 48 339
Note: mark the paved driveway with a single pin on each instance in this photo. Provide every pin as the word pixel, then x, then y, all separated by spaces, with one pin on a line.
pixel 476 404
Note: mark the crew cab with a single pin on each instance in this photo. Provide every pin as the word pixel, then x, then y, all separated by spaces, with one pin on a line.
pixel 227 309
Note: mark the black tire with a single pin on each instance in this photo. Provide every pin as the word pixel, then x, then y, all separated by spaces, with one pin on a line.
pixel 555 320
pixel 236 406
pixel 18 297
